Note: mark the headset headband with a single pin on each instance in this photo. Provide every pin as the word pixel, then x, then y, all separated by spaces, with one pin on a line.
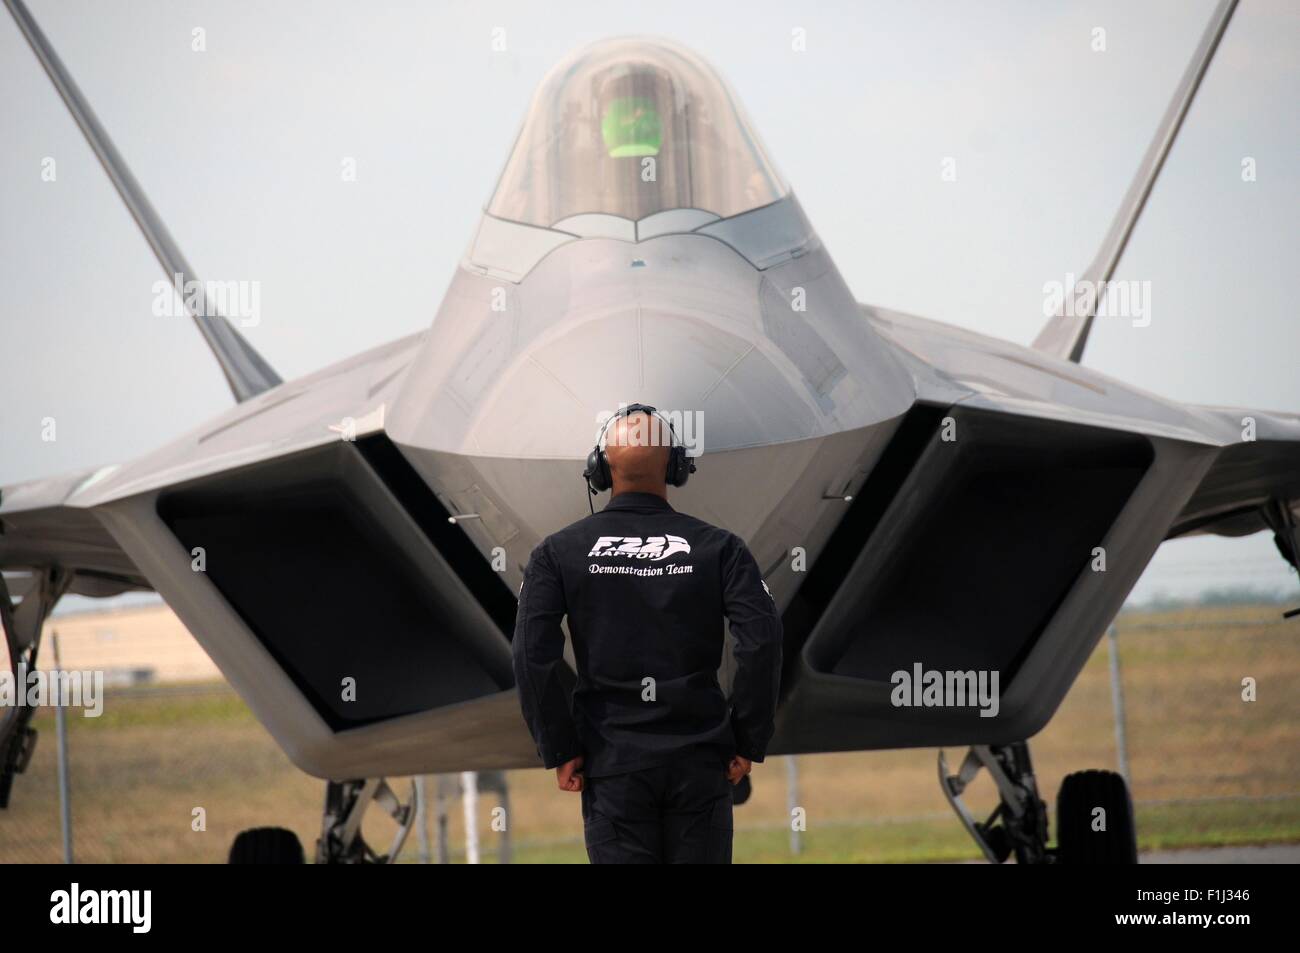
pixel 597 475
pixel 628 411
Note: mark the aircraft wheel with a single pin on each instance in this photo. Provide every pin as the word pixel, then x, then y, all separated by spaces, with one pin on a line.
pixel 266 845
pixel 1077 818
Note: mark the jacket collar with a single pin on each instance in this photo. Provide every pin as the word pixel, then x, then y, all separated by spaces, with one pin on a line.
pixel 643 502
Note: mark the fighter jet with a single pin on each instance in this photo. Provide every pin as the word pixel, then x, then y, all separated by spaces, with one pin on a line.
pixel 348 546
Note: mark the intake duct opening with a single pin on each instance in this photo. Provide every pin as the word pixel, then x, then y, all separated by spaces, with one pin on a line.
pixel 966 547
pixel 343 569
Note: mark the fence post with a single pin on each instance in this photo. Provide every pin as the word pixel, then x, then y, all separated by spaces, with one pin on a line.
pixel 422 818
pixel 469 786
pixel 506 851
pixel 444 847
pixel 61 727
pixel 1117 703
pixel 792 800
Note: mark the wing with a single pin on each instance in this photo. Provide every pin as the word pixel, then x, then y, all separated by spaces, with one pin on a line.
pixel 304 549
pixel 1000 530
pixel 1252 485
pixel 40 530
pixel 48 547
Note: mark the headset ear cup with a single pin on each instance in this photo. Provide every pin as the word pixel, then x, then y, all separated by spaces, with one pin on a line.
pixel 679 469
pixel 597 472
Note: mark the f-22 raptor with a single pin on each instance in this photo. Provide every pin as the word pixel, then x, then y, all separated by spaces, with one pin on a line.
pixel 916 494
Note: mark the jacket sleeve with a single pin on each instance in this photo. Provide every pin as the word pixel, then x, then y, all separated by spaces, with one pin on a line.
pixel 540 670
pixel 756 635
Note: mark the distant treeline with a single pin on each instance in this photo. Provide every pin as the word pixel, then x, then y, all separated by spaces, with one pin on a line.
pixel 1231 596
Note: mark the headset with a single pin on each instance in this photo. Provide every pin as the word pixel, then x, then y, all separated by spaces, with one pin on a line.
pixel 597 475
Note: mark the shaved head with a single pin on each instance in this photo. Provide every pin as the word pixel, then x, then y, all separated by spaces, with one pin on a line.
pixel 637 448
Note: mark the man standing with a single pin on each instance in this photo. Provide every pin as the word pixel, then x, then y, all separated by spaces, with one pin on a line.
pixel 650 740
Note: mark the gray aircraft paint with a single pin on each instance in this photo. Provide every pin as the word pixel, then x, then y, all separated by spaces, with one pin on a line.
pixel 496 409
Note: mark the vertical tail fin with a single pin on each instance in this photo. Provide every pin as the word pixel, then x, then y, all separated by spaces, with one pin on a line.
pixel 1066 334
pixel 247 373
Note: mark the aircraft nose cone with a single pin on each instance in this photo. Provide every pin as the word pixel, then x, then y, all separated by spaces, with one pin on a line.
pixel 682 322
pixel 730 392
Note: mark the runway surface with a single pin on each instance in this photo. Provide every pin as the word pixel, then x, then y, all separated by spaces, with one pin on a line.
pixel 1271 854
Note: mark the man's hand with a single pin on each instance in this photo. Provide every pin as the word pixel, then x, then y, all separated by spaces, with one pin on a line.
pixel 567 776
pixel 738 768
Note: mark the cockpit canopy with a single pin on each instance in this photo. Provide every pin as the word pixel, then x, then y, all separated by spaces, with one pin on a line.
pixel 629 128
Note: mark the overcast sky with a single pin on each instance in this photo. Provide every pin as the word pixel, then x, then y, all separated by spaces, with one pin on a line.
pixel 240 147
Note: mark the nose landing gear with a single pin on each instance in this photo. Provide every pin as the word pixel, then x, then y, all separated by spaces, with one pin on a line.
pixel 1094 813
pixel 340 837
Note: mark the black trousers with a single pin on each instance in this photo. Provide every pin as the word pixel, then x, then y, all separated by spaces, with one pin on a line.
pixel 678 813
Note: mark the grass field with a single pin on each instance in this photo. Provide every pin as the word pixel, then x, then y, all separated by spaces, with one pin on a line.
pixel 1208 768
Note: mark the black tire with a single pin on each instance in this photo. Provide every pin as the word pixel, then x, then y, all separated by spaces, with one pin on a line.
pixel 266 845
pixel 1080 795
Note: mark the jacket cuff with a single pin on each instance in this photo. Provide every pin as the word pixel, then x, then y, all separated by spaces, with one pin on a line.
pixel 555 755
pixel 745 746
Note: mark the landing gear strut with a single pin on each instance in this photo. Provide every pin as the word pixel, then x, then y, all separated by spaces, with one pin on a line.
pixel 1094 812
pixel 1277 514
pixel 22 624
pixel 1019 823
pixel 345 804
pixel 340 833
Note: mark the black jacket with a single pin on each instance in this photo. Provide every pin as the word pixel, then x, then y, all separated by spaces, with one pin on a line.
pixel 645 589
